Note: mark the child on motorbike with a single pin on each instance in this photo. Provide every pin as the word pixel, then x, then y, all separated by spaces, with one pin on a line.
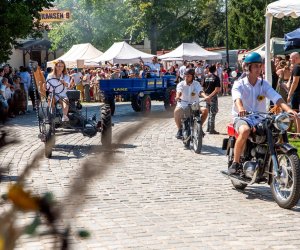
pixel 249 95
pixel 188 91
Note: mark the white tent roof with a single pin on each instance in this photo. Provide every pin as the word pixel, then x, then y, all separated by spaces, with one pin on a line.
pixel 190 51
pixel 282 8
pixel 122 52
pixel 278 9
pixel 84 51
pixel 276 47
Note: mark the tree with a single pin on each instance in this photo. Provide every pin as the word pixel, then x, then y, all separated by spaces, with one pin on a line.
pixel 19 19
pixel 247 23
pixel 98 22
pixel 161 21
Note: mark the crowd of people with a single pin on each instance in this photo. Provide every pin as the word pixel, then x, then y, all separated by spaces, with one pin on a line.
pixel 16 86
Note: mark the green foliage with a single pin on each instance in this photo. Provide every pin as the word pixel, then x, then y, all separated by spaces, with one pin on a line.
pixel 246 20
pixel 98 22
pixel 19 19
pixel 166 23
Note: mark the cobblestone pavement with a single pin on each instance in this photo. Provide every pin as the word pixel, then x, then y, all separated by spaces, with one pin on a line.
pixel 156 194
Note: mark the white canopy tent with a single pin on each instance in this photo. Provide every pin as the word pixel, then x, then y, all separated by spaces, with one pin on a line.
pixel 78 54
pixel 121 52
pixel 276 47
pixel 278 9
pixel 190 52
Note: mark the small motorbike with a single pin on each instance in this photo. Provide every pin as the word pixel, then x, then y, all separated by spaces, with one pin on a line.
pixel 267 158
pixel 192 133
pixel 50 118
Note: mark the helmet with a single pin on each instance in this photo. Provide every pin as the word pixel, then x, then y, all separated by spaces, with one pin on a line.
pixel 190 72
pixel 253 57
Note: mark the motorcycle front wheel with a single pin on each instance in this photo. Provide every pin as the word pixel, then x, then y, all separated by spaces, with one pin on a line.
pixel 286 188
pixel 197 137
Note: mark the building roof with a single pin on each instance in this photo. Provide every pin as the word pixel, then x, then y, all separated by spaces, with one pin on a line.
pixel 37 44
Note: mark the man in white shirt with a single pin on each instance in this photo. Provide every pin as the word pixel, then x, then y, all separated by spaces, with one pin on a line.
pixel 249 95
pixel 187 92
pixel 182 70
pixel 154 66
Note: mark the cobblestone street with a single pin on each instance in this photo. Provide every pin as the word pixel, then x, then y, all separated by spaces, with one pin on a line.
pixel 155 194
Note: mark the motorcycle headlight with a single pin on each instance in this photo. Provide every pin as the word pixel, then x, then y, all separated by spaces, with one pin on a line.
pixel 58 106
pixel 195 106
pixel 282 122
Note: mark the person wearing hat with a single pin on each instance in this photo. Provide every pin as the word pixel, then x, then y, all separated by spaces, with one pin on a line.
pixel 249 94
pixel 188 91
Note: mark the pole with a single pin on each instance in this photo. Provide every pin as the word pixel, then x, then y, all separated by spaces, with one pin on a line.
pixel 226 23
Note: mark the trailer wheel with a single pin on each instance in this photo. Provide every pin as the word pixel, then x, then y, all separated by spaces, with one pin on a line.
pixel 136 103
pixel 111 101
pixel 169 101
pixel 146 104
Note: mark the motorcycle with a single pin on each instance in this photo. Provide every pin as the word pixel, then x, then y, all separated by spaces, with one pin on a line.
pixel 192 133
pixel 50 118
pixel 267 158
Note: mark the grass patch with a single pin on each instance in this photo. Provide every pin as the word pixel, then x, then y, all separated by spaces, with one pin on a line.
pixel 296 144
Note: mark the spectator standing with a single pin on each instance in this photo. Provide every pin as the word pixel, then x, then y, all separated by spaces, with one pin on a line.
pixel 76 79
pixel 212 87
pixel 86 79
pixel 225 82
pixel 182 70
pixel 26 82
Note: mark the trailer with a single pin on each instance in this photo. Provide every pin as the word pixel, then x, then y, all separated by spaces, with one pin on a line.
pixel 140 92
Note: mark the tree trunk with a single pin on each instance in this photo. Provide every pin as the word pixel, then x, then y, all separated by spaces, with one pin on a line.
pixel 153 37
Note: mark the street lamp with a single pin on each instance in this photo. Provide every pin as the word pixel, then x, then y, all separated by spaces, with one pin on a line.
pixel 226 24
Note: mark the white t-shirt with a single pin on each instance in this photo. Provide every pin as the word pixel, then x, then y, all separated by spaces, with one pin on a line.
pixel 54 83
pixel 250 95
pixel 154 67
pixel 190 93
pixel 86 79
pixel 77 77
pixel 199 71
pixel 182 70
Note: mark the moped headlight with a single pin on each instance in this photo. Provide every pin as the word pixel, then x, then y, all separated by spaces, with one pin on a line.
pixel 195 106
pixel 282 122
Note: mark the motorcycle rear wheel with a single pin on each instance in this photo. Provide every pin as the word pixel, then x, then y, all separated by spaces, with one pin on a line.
pixel 286 189
pixel 197 137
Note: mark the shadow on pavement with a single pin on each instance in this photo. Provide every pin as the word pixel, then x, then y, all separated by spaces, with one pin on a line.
pixel 211 150
pixel 262 193
pixel 84 150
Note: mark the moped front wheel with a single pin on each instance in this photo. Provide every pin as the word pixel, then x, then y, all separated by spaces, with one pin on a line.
pixel 197 137
pixel 286 187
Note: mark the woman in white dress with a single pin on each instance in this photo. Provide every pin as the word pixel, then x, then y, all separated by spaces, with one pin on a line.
pixel 59 80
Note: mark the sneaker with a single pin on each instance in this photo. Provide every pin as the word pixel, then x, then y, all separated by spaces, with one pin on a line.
pixel 179 134
pixel 214 132
pixel 65 118
pixel 233 169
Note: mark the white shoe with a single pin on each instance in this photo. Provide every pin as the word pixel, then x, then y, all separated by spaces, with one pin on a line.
pixel 65 118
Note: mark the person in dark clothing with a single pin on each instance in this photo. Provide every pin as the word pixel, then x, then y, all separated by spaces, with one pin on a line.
pixel 212 87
